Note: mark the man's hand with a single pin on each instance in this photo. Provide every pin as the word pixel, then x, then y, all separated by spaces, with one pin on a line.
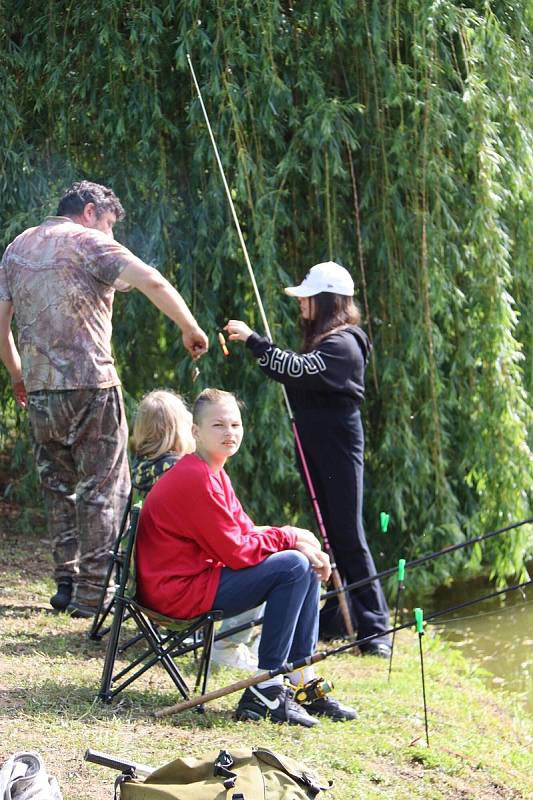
pixel 195 341
pixel 9 355
pixel 238 330
pixel 19 393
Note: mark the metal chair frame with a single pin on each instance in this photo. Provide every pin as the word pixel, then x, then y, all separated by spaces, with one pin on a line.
pixel 105 606
pixel 160 648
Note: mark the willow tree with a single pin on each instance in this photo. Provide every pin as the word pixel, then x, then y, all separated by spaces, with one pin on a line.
pixel 394 137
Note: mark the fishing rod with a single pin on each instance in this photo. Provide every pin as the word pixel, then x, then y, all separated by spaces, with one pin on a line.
pixel 335 575
pixel 429 557
pixel 401 573
pixel 321 656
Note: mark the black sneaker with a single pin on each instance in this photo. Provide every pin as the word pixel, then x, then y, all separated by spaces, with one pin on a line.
pixel 61 598
pixel 379 649
pixel 329 707
pixel 81 611
pixel 275 703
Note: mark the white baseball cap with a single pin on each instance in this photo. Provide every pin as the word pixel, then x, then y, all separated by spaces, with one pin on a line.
pixel 325 277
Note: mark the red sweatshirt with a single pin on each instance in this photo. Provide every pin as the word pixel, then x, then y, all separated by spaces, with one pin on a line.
pixel 191 526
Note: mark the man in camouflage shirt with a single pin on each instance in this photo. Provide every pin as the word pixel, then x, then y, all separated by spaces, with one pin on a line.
pixel 59 280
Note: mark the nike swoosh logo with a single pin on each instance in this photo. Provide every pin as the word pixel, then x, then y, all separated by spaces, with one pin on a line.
pixel 271 704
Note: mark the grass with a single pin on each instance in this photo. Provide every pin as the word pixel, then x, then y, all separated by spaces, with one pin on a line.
pixel 480 740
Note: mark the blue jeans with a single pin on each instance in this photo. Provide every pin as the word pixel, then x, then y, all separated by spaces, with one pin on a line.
pixel 290 589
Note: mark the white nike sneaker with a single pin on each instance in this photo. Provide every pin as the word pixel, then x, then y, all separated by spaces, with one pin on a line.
pixel 238 656
pixel 275 703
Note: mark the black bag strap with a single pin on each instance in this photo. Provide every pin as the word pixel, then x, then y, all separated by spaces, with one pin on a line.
pixel 222 766
pixel 124 776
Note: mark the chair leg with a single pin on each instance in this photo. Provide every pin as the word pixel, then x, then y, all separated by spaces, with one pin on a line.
pixel 115 563
pixel 162 654
pixel 105 693
pixel 104 608
pixel 205 660
pixel 96 634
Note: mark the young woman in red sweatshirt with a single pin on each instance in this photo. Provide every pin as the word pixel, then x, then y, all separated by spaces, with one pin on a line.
pixel 197 550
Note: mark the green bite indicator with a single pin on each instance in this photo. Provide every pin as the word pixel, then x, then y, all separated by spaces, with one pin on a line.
pixel 384 521
pixel 401 587
pixel 419 620
pixel 401 570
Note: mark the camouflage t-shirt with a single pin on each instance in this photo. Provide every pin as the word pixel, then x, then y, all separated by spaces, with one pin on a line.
pixel 59 277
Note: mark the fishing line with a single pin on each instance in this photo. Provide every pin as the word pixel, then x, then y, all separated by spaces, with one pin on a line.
pixel 494 611
pixel 422 560
pixel 339 590
pixel 335 575
pixel 467 603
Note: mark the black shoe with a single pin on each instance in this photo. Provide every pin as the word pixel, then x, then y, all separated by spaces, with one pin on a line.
pixel 379 649
pixel 81 611
pixel 334 637
pixel 329 707
pixel 61 598
pixel 275 703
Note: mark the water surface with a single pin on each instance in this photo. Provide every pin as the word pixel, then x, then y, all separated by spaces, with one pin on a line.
pixel 496 634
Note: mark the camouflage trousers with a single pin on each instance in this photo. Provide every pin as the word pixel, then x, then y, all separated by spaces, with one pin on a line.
pixel 80 442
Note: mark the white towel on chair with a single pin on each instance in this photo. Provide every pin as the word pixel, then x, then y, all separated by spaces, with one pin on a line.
pixel 24 777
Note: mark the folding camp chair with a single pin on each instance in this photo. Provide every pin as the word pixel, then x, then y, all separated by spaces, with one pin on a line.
pixel 105 605
pixel 163 638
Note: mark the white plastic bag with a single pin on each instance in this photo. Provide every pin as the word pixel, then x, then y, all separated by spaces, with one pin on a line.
pixel 24 777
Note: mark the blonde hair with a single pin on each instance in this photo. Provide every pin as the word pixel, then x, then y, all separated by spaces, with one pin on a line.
pixel 162 424
pixel 207 398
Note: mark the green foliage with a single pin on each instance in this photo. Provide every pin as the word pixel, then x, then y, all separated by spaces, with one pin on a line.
pixel 395 137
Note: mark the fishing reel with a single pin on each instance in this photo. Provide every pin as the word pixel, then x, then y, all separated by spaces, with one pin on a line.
pixel 313 690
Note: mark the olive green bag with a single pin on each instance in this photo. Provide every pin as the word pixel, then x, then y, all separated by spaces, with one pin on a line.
pixel 248 774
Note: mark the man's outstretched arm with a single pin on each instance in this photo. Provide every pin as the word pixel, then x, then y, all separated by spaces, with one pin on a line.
pixel 112 263
pixel 168 300
pixel 9 354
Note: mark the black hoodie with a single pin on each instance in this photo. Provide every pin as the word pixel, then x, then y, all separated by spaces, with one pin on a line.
pixel 331 376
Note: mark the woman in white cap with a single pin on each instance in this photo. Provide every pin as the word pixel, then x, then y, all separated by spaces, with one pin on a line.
pixel 325 384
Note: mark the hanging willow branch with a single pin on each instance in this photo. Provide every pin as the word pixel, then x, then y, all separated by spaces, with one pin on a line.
pixel 357 222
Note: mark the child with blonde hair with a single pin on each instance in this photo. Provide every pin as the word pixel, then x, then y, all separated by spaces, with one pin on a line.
pixel 162 434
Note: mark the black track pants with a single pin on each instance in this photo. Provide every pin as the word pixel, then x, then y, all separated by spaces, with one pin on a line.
pixel 333 443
